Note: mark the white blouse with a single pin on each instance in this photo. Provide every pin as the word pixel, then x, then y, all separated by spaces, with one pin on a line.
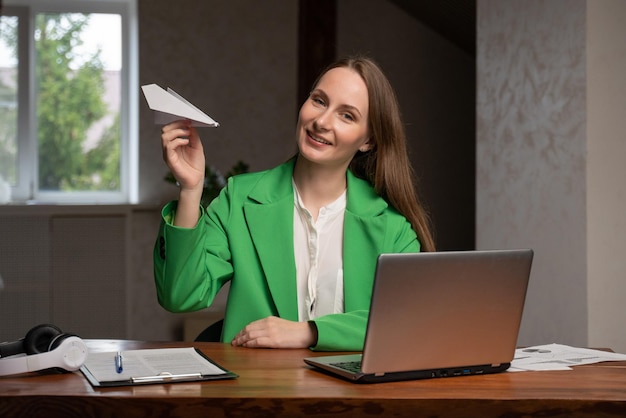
pixel 318 250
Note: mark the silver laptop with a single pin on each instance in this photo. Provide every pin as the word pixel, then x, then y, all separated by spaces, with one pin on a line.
pixel 439 314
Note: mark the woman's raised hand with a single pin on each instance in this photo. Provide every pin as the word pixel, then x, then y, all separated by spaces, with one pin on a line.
pixel 184 155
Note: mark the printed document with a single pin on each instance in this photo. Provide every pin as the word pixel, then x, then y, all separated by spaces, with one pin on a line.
pixel 558 357
pixel 151 366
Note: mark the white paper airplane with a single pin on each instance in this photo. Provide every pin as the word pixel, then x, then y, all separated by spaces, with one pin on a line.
pixel 169 106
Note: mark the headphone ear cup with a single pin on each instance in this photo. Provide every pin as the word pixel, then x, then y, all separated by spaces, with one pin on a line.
pixel 56 341
pixel 69 352
pixel 39 338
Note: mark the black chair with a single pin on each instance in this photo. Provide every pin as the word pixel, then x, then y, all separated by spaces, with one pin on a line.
pixel 212 333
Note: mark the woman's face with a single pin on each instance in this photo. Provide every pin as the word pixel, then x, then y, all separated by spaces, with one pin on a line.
pixel 333 121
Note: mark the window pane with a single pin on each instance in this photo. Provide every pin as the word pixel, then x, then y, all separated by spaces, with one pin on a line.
pixel 78 71
pixel 8 98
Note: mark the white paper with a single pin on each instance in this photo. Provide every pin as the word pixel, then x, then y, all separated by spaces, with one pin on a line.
pixel 169 106
pixel 558 357
pixel 150 363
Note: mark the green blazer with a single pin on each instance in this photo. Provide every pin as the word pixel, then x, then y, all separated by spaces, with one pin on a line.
pixel 245 236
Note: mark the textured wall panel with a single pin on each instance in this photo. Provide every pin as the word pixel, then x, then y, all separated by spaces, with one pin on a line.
pixel 89 275
pixel 25 299
pixel 531 150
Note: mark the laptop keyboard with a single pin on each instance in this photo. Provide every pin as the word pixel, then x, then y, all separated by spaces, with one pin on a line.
pixel 351 366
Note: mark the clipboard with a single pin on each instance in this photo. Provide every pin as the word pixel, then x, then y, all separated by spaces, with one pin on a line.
pixel 151 366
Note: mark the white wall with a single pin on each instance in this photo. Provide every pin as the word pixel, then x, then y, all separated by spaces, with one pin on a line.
pixel 544 150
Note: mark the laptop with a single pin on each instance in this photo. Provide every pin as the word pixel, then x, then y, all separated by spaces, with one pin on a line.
pixel 439 314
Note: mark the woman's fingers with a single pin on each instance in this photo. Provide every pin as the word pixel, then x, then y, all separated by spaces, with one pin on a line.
pixel 175 134
pixel 273 332
pixel 183 153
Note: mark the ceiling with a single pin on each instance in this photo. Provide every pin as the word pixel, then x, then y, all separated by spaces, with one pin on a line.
pixel 455 20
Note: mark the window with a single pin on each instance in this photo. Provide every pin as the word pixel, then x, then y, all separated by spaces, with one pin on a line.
pixel 68 100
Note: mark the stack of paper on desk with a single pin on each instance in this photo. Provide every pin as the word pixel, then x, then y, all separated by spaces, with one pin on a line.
pixel 169 106
pixel 166 365
pixel 558 357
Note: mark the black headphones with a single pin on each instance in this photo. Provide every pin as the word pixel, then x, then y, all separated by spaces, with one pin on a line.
pixel 44 346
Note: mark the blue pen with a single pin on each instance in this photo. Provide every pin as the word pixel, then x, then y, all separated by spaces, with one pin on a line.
pixel 118 362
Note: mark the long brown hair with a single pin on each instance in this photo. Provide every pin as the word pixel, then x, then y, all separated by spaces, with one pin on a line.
pixel 386 165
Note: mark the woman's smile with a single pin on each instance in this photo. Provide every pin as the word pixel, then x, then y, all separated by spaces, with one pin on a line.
pixel 317 139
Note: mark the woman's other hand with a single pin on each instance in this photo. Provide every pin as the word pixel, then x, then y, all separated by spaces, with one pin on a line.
pixel 274 332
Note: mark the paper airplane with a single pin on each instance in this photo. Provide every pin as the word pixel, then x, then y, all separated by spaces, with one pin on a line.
pixel 169 106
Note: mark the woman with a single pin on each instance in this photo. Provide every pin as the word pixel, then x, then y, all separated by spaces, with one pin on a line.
pixel 298 242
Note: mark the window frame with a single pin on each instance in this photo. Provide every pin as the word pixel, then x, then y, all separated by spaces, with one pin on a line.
pixel 26 189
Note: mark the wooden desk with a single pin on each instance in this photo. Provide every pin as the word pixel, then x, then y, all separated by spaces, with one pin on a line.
pixel 276 383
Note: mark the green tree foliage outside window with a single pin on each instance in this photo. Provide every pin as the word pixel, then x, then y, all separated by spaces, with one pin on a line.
pixel 8 108
pixel 8 133
pixel 70 90
pixel 69 103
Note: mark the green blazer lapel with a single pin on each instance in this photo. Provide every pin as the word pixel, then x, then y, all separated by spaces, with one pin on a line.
pixel 364 234
pixel 268 207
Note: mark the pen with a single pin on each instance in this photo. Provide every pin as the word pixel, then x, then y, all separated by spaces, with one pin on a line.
pixel 118 362
pixel 165 377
